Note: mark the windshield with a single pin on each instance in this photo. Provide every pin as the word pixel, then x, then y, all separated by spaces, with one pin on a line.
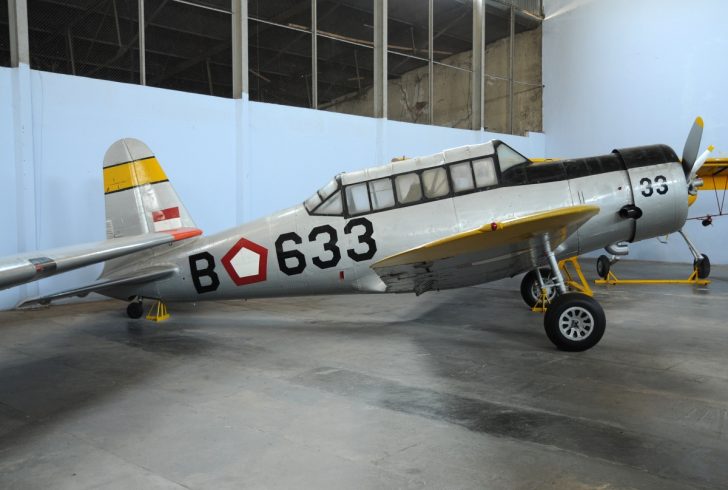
pixel 508 157
pixel 321 195
pixel 328 189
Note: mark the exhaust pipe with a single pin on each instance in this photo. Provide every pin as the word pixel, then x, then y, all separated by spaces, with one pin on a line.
pixel 618 248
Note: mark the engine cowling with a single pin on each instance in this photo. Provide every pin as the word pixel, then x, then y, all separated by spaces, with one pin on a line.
pixel 659 190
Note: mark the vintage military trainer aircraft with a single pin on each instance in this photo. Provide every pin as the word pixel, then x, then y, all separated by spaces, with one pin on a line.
pixel 465 216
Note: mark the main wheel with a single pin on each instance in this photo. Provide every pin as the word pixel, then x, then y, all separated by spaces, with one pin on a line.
pixel 531 289
pixel 574 322
pixel 135 309
pixel 603 266
pixel 702 265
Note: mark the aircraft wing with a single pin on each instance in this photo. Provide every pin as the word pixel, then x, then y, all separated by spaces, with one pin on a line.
pixel 19 269
pixel 714 174
pixel 154 273
pixel 493 251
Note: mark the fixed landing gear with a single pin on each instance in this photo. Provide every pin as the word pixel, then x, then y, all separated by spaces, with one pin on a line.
pixel 157 313
pixel 604 264
pixel 702 266
pixel 135 310
pixel 574 321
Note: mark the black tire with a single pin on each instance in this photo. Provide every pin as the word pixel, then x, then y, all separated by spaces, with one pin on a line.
pixel 603 266
pixel 574 322
pixel 135 309
pixel 702 265
pixel 531 290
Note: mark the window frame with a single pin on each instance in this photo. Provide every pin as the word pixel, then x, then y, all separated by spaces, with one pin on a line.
pixel 424 199
pixel 347 213
pixel 446 168
pixel 396 195
pixel 496 169
pixel 390 178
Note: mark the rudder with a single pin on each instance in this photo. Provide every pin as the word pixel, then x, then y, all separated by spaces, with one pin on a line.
pixel 138 195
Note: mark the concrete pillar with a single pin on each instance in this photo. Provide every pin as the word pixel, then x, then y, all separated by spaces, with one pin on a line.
pixel 430 62
pixel 314 55
pixel 380 58
pixel 478 64
pixel 511 58
pixel 240 48
pixel 18 20
pixel 142 44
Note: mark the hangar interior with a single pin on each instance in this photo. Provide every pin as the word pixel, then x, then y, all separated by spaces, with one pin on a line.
pixel 251 106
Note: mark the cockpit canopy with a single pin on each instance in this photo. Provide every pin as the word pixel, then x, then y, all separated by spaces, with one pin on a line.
pixel 412 181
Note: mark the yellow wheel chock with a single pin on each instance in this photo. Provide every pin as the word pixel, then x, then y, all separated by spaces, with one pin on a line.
pixel 613 280
pixel 158 312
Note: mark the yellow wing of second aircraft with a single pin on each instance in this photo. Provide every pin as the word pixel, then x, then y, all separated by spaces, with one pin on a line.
pixel 714 174
pixel 493 251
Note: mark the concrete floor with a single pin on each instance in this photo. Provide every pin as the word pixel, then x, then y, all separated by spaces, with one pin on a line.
pixel 458 389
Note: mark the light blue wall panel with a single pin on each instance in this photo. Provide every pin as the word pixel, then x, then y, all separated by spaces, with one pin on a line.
pixel 8 184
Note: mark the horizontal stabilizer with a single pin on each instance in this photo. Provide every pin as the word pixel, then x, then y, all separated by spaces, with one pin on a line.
pixel 32 266
pixel 138 277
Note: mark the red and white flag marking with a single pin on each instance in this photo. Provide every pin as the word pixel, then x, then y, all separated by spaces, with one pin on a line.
pixel 166 219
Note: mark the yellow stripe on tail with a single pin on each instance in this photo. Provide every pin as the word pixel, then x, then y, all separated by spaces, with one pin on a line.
pixel 133 174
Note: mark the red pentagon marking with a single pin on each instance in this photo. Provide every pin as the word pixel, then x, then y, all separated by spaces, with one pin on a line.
pixel 246 262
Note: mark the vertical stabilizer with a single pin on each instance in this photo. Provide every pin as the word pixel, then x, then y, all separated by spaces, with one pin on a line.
pixel 139 197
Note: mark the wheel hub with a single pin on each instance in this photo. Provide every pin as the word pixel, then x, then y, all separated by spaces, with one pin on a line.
pixel 550 289
pixel 576 323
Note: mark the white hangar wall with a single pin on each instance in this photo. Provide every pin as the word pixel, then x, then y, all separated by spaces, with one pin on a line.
pixel 625 73
pixel 230 161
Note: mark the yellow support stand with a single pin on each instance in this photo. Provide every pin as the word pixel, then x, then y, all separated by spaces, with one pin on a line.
pixel 158 312
pixel 613 280
pixel 543 301
pixel 582 285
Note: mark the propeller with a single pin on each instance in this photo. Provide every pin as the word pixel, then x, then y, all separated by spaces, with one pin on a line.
pixel 691 161
pixel 692 145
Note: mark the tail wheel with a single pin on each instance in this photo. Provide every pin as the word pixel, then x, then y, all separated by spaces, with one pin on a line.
pixel 531 289
pixel 574 322
pixel 135 309
pixel 702 266
pixel 603 266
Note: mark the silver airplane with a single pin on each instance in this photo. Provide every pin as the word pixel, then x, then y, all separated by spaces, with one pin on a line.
pixel 465 216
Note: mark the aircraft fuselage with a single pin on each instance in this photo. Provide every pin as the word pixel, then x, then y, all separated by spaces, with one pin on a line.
pixel 641 193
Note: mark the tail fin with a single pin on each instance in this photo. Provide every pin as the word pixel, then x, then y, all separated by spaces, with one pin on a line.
pixel 139 197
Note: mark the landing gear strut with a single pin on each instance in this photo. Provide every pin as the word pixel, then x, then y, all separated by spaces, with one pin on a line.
pixel 701 262
pixel 573 321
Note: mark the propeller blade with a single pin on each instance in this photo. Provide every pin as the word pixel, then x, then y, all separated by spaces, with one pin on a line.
pixel 692 145
pixel 699 163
